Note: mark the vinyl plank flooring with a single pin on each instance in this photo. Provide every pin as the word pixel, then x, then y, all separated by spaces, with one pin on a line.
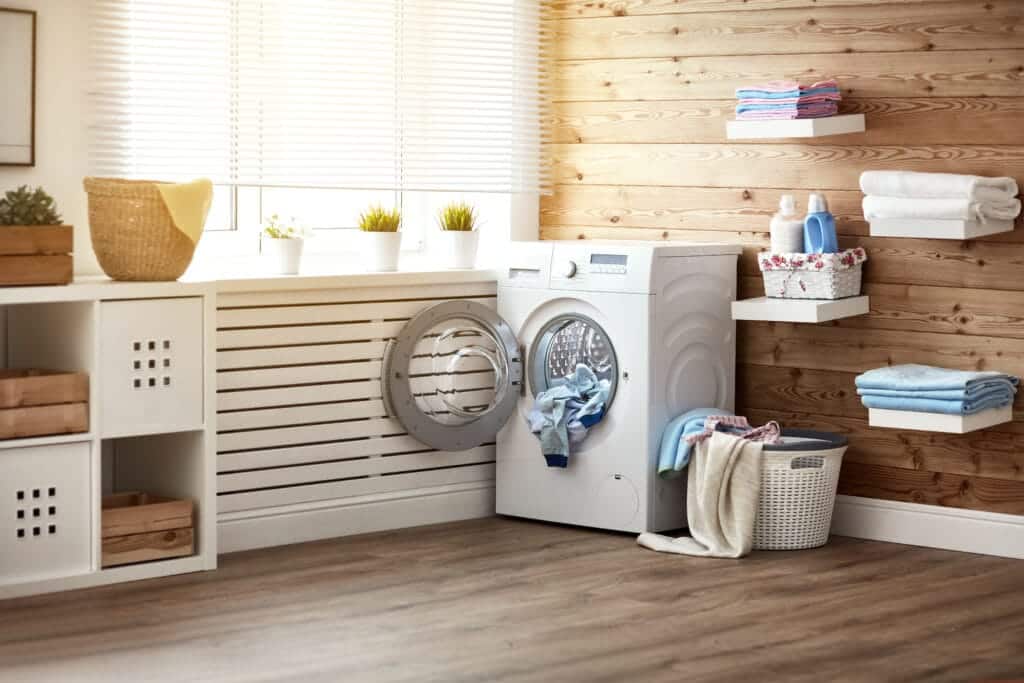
pixel 509 600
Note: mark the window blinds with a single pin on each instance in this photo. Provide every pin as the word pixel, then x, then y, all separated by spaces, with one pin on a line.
pixel 443 95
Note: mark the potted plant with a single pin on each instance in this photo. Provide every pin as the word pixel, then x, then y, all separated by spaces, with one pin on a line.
pixel 35 249
pixel 381 237
pixel 282 244
pixel 458 235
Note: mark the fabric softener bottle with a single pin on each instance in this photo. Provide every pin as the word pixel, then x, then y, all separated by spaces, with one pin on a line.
pixel 819 227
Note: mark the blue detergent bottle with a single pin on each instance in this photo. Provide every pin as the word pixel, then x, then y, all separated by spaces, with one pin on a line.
pixel 819 227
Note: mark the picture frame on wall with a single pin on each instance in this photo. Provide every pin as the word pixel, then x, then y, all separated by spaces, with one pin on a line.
pixel 18 83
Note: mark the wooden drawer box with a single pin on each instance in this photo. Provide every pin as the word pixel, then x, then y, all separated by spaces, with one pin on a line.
pixel 36 254
pixel 43 402
pixel 138 527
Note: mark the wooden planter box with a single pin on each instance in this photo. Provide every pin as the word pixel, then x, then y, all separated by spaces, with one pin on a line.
pixel 43 403
pixel 138 527
pixel 36 254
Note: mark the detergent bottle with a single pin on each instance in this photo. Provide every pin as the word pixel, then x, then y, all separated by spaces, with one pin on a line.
pixel 819 227
pixel 787 228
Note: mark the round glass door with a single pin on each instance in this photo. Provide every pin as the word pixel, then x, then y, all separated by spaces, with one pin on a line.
pixel 452 376
pixel 567 341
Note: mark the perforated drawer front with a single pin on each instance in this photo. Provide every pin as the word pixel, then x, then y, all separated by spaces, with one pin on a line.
pixel 151 366
pixel 44 512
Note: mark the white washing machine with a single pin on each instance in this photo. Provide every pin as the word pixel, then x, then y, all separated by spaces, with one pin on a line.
pixel 651 317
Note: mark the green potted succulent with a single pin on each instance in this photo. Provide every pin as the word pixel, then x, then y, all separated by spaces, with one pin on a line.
pixel 35 248
pixel 459 236
pixel 382 239
pixel 282 243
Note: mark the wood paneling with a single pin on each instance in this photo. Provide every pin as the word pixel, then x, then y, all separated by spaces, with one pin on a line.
pixel 643 89
pixel 978 73
pixel 901 28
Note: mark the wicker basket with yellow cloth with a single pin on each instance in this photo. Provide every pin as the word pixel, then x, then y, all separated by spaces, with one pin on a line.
pixel 146 230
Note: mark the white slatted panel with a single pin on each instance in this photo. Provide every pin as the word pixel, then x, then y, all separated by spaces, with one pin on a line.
pixel 301 417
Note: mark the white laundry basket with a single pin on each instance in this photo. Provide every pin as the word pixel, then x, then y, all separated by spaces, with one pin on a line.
pixel 799 476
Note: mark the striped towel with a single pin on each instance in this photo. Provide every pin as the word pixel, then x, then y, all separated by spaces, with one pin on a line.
pixel 788 100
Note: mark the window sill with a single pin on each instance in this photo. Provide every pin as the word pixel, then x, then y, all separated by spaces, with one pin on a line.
pixel 252 277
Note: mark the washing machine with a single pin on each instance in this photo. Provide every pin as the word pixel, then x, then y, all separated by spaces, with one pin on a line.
pixel 653 318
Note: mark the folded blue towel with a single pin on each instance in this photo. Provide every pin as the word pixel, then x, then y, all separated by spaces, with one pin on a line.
pixel 976 391
pixel 928 378
pixel 674 452
pixel 934 405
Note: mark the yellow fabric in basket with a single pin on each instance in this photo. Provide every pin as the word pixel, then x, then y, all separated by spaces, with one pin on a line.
pixel 188 204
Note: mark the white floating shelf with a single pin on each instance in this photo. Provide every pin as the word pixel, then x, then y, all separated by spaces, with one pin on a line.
pixel 935 229
pixel 795 128
pixel 937 422
pixel 798 310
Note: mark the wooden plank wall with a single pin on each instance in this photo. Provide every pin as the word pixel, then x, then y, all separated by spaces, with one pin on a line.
pixel 642 90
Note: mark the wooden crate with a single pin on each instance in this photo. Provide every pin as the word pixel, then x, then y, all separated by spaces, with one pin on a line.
pixel 36 254
pixel 138 527
pixel 43 402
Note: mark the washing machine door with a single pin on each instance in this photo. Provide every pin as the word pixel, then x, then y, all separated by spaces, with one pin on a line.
pixel 453 375
pixel 569 340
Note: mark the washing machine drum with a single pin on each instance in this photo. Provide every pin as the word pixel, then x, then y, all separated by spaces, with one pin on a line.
pixel 452 376
pixel 567 341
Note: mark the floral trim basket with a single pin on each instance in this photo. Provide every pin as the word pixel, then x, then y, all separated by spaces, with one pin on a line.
pixel 812 276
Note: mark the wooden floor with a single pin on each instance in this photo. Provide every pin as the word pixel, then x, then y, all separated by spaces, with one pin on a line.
pixel 509 600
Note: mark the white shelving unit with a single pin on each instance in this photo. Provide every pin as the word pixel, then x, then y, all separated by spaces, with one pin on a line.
pixel 149 352
pixel 799 310
pixel 936 422
pixel 795 128
pixel 936 229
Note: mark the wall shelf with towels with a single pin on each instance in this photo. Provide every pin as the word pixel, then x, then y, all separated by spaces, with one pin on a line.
pixel 799 310
pixel 937 229
pixel 937 422
pixel 795 128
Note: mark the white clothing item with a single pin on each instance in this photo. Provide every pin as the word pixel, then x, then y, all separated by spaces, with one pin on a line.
pixel 723 486
pixel 961 209
pixel 937 185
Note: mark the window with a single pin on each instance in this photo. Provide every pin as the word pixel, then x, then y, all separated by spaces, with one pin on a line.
pixel 317 108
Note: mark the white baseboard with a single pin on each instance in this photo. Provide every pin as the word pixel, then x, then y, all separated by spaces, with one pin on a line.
pixel 931 526
pixel 360 515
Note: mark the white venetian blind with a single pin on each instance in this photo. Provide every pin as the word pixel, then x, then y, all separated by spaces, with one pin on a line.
pixel 406 94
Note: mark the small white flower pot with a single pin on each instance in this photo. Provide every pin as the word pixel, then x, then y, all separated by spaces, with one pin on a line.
pixel 284 256
pixel 459 248
pixel 380 250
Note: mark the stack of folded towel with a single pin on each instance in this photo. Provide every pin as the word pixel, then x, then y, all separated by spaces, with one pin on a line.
pixel 927 389
pixel 938 196
pixel 787 100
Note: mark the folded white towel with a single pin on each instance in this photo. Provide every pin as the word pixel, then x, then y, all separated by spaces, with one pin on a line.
pixel 937 185
pixel 962 209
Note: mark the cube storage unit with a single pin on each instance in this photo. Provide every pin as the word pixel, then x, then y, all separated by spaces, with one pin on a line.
pixel 44 512
pixel 148 353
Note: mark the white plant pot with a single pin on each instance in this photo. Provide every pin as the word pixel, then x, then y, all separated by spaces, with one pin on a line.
pixel 459 248
pixel 380 250
pixel 284 256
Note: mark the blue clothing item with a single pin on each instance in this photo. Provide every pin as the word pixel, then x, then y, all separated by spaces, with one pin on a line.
pixel 914 378
pixel 562 414
pixel 754 93
pixel 674 452
pixel 943 394
pixel 934 405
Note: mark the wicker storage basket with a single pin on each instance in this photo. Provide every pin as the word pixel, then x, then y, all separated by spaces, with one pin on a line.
pixel 799 476
pixel 812 276
pixel 132 232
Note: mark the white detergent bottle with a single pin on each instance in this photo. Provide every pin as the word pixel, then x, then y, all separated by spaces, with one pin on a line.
pixel 787 228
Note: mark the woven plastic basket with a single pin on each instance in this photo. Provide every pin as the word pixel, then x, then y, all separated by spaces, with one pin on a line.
pixel 132 232
pixel 812 276
pixel 798 490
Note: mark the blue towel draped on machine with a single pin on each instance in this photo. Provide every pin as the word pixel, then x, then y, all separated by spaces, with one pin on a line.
pixel 562 414
pixel 927 389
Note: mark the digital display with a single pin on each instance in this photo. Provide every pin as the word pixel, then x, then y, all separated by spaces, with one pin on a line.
pixel 608 259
